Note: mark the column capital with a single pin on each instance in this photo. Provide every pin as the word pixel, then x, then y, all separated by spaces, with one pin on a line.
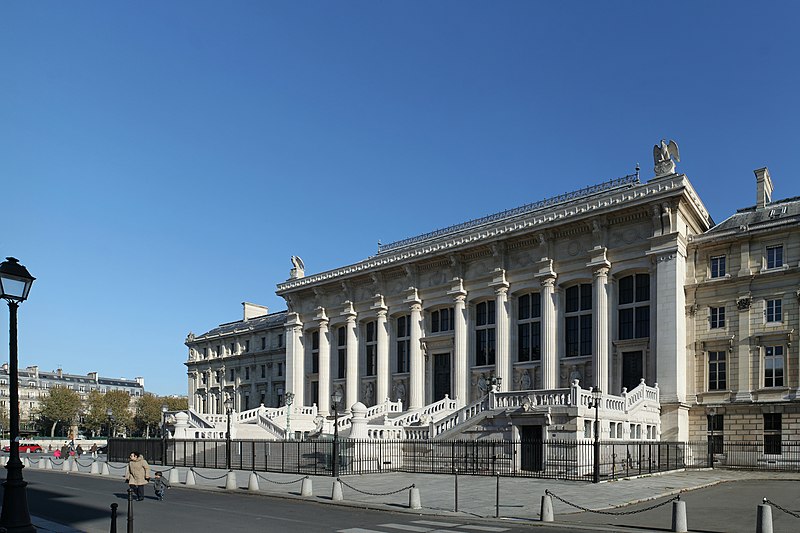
pixel 548 281
pixel 321 316
pixel 413 297
pixel 457 288
pixel 293 321
pixel 545 267
pixel 599 260
pixel 502 289
pixel 499 279
pixel 349 313
pixel 601 272
pixel 380 304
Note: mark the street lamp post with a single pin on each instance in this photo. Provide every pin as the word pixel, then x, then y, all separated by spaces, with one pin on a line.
pixel 597 396
pixel 110 415
pixel 15 284
pixel 228 410
pixel 289 400
pixel 336 397
pixel 711 412
pixel 164 409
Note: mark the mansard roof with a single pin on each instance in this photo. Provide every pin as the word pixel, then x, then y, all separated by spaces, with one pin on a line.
pixel 774 214
pixel 272 320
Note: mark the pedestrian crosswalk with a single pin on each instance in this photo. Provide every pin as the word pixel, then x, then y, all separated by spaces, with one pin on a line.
pixel 426 526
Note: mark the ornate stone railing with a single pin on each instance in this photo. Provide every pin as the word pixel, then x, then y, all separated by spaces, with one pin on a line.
pixel 381 409
pixel 445 404
pixel 535 398
pixel 386 433
pixel 462 416
pixel 197 420
pixel 640 394
pixel 270 426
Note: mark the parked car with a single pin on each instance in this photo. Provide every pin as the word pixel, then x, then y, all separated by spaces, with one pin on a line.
pixel 24 447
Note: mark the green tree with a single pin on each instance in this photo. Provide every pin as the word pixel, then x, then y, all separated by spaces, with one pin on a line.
pixel 177 403
pixel 60 405
pixel 94 416
pixel 148 413
pixel 119 401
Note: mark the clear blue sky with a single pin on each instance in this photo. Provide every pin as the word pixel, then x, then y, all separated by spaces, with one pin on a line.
pixel 161 161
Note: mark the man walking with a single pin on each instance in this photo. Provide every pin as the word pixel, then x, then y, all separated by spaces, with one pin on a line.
pixel 137 475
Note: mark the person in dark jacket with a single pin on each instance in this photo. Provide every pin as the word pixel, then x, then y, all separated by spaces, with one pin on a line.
pixel 161 485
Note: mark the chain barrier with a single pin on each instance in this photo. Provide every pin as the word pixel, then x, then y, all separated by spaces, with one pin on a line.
pixel 613 513
pixel 374 493
pixel 787 511
pixel 36 461
pixel 123 467
pixel 209 478
pixel 281 482
pixel 83 465
pixel 57 464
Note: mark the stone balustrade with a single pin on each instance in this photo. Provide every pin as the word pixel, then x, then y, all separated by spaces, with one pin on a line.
pixel 445 404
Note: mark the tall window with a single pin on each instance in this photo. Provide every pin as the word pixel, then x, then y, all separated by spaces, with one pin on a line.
pixel 773 366
pixel 578 320
pixel 247 373
pixel 716 427
pixel 529 327
pixel 231 348
pixel 716 317
pixel 633 305
pixel 246 346
pixel 205 353
pixel 717 371
pixel 485 333
pixel 263 343
pixel 718 266
pixel 442 320
pixel 775 256
pixel 403 342
pixel 774 311
pixel 341 348
pixel 772 433
pixel 233 374
pixel 372 348
pixel 315 352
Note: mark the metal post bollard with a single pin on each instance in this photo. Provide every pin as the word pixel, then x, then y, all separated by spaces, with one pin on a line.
pixel 130 511
pixel 546 511
pixel 456 492
pixel 764 518
pixel 113 518
pixel 497 497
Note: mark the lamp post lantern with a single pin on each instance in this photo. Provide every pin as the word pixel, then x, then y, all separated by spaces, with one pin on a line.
pixel 336 397
pixel 164 409
pixel 110 416
pixel 15 284
pixel 228 410
pixel 597 397
pixel 289 400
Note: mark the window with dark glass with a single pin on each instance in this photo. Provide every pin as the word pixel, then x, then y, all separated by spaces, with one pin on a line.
pixel 233 374
pixel 718 266
pixel 773 366
pixel 403 338
pixel 371 348
pixel 715 427
pixel 263 343
pixel 315 352
pixel 717 317
pixel 633 307
pixel 485 333
pixel 246 346
pixel 775 256
pixel 578 320
pixel 247 373
pixel 341 349
pixel 442 320
pixel 773 425
pixel 717 371
pixel 774 311
pixel 529 327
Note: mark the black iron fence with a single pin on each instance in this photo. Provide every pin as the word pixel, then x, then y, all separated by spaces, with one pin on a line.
pixel 544 459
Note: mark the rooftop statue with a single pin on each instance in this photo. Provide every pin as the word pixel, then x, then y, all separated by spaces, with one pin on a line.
pixel 663 156
pixel 299 268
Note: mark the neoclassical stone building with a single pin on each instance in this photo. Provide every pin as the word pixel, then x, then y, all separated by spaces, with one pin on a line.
pixel 586 286
pixel 742 302
pixel 243 360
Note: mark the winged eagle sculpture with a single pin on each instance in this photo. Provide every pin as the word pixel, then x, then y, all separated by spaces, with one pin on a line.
pixel 663 156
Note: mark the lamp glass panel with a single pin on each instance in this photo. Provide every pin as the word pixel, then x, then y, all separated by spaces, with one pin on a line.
pixel 13 288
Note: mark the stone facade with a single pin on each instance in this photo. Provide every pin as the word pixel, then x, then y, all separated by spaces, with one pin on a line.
pixel 588 286
pixel 742 307
pixel 244 360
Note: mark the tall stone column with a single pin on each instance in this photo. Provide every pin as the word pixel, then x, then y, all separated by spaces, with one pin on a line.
pixel 295 369
pixel 382 356
pixel 416 398
pixel 461 361
pixel 600 328
pixel 502 358
pixel 744 356
pixel 351 359
pixel 324 365
pixel 549 349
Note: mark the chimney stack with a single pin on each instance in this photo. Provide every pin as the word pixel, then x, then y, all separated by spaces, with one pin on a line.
pixel 763 187
pixel 254 310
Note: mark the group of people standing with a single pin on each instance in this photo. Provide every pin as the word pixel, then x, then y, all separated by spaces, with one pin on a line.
pixel 69 450
pixel 137 476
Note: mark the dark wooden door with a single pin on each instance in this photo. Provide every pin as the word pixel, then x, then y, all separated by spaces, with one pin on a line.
pixel 441 376
pixel 632 369
pixel 532 448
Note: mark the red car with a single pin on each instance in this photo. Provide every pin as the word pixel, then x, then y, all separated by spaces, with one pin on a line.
pixel 23 448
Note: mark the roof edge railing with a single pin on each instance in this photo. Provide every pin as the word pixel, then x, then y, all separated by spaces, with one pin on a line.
pixel 625 181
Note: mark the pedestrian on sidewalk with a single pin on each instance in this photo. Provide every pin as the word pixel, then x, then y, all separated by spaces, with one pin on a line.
pixel 161 485
pixel 137 474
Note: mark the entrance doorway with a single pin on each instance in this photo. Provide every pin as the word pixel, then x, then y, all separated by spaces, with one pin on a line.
pixel 532 448
pixel 632 369
pixel 441 376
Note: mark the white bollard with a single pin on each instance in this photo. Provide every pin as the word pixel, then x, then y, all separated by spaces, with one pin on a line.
pixel 679 517
pixel 190 477
pixel 413 498
pixel 49 464
pixel 25 462
pixel 174 476
pixel 764 518
pixel 336 493
pixel 66 464
pixel 105 471
pixel 230 480
pixel 3 460
pixel 43 463
pixel 252 483
pixel 306 488
pixel 95 469
pixel 546 513
pixel 74 466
